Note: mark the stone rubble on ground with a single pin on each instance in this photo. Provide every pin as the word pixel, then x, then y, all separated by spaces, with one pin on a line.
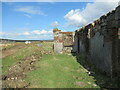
pixel 16 73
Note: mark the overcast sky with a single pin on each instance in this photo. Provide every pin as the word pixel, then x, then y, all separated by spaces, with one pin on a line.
pixel 35 20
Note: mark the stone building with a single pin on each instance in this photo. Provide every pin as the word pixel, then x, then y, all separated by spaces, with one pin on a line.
pixel 99 42
pixel 62 40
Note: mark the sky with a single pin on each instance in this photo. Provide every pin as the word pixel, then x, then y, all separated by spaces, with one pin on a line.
pixel 36 20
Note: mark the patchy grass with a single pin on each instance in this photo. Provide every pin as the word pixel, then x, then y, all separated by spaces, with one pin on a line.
pixel 47 46
pixel 53 70
pixel 10 45
pixel 102 79
pixel 59 71
pixel 8 61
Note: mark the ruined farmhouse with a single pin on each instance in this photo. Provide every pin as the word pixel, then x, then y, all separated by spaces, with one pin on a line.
pixel 99 42
pixel 62 40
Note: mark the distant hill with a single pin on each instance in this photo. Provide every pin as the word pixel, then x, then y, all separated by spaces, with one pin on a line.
pixel 10 40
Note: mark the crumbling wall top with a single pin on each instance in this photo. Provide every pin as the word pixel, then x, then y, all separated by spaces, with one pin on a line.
pixel 55 30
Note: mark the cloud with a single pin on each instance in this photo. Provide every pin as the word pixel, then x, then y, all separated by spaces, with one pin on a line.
pixel 54 24
pixel 91 12
pixel 35 34
pixel 27 15
pixel 42 32
pixel 30 10
pixel 25 33
pixel 50 32
pixel 75 18
pixel 41 37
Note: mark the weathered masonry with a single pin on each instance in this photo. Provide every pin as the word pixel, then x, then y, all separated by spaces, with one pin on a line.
pixel 62 40
pixel 100 42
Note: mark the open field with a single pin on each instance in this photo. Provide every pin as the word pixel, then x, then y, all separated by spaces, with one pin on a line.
pixel 70 44
pixel 36 66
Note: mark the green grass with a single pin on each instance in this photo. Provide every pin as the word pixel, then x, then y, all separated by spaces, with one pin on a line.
pixel 47 46
pixel 8 61
pixel 59 71
pixel 53 70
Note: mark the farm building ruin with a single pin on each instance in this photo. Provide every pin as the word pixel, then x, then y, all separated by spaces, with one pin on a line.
pixel 99 42
pixel 62 40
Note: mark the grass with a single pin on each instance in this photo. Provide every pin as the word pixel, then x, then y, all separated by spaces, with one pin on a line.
pixel 8 61
pixel 10 45
pixel 102 79
pixel 59 71
pixel 53 70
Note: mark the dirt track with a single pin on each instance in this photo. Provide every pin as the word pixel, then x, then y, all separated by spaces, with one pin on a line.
pixel 12 50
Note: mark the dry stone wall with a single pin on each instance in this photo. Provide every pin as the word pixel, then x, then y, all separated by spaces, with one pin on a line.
pixel 100 42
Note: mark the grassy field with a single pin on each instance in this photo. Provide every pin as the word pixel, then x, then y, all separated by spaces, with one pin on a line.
pixel 52 70
pixel 55 71
pixel 8 61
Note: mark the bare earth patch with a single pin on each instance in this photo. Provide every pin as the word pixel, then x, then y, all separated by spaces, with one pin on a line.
pixel 16 73
pixel 11 51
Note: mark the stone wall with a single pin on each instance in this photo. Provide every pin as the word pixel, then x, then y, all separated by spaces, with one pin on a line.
pixel 63 41
pixel 100 41
pixel 58 47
